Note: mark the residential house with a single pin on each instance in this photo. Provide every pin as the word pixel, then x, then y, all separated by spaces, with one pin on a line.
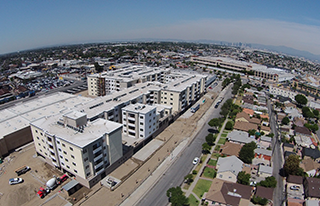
pixel 288 147
pixel 315 202
pixel 311 188
pixel 280 116
pixel 265 129
pixel 299 122
pixel 228 168
pixel 244 117
pixel 313 153
pixel 303 136
pixel 296 181
pixel 265 171
pixel 263 154
pixel 292 113
pixel 248 111
pixel 265 141
pixel 264 192
pixel 310 166
pixel 239 137
pixel 225 193
pixel 245 126
pixel 230 148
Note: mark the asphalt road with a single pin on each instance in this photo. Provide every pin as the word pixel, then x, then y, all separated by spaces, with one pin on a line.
pixel 174 176
pixel 277 163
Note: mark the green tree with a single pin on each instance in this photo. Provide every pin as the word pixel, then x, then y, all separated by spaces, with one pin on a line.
pixel 306 112
pixel 316 113
pixel 189 178
pixel 243 178
pixel 210 139
pixel 285 121
pixel 176 197
pixel 270 135
pixel 259 200
pixel 215 122
pixel 229 125
pixel 246 153
pixel 301 99
pixel 291 165
pixel 251 132
pixel 206 148
pixel 97 67
pixel 268 182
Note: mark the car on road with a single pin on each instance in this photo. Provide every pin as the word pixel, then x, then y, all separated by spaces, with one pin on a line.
pixel 14 181
pixel 196 160
pixel 295 187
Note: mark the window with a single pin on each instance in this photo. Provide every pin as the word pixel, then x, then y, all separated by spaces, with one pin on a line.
pixel 61 156
pixel 72 156
pixel 88 174
pixel 71 148
pixel 58 142
pixel 87 167
pixel 62 163
pixel 41 134
pixel 84 151
pixel 39 144
pixel 68 167
pixel 59 149
pixel 40 150
pixel 86 159
pixel 141 130
pixel 74 163
pixel 63 145
pixel 37 137
pixel 64 152
pixel 36 131
pixel 141 123
pixel 44 147
pixel 42 140
pixel 141 117
pixel 66 160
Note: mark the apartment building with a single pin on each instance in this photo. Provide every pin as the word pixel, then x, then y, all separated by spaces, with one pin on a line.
pixel 139 120
pixel 117 80
pixel 83 149
pixel 280 91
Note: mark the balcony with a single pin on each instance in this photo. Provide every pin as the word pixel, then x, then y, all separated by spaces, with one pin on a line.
pixel 98 165
pixel 51 150
pixel 131 118
pixel 98 157
pixel 131 124
pixel 49 143
pixel 97 150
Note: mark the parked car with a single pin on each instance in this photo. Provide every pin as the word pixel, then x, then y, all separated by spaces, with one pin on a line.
pixel 196 160
pixel 14 181
pixel 295 187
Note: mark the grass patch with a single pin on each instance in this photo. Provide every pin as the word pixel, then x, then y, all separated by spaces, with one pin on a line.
pixel 193 200
pixel 212 162
pixel 224 135
pixel 217 148
pixel 203 158
pixel 201 187
pixel 215 155
pixel 209 172
pixel 222 140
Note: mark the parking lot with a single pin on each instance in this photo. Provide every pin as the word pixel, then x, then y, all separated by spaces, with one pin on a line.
pixel 26 193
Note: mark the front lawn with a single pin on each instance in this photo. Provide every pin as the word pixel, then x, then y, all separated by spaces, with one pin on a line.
pixel 215 155
pixel 224 135
pixel 222 140
pixel 209 172
pixel 201 187
pixel 212 162
pixel 193 201
pixel 217 148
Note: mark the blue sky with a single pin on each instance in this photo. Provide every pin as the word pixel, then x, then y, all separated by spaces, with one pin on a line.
pixel 32 24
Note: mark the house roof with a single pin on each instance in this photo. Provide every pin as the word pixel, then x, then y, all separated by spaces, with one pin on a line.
pixel 232 164
pixel 248 111
pixel 265 139
pixel 313 153
pixel 263 152
pixel 230 149
pixel 302 130
pixel 239 136
pixel 264 116
pixel 288 153
pixel 264 192
pixel 228 193
pixel 265 169
pixel 264 128
pixel 309 164
pixel 313 185
pixel 295 179
pixel 245 126
pixel 285 144
pixel 248 118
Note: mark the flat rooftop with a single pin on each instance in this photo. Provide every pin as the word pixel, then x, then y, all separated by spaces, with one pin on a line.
pixel 93 131
pixel 148 150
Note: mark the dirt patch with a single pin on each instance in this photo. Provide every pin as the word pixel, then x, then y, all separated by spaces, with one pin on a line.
pixel 22 195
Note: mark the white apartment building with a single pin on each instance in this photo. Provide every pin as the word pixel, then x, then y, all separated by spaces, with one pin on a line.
pixel 117 80
pixel 139 120
pixel 278 91
pixel 83 149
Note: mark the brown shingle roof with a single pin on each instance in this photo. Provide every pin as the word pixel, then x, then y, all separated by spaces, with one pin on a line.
pixel 245 126
pixel 295 179
pixel 264 128
pixel 230 149
pixel 264 192
pixel 313 185
pixel 302 130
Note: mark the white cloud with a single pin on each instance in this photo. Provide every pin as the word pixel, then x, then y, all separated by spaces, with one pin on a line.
pixel 261 31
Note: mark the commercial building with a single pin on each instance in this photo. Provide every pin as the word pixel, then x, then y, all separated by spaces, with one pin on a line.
pixel 259 71
pixel 81 148
pixel 277 90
